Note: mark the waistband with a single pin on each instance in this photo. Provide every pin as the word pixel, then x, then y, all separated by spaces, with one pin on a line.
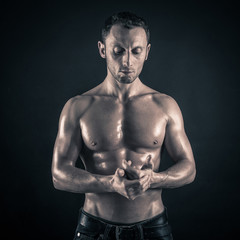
pixel 87 218
pixel 149 228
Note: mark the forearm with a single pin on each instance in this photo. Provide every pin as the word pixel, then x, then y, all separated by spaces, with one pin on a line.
pixel 180 174
pixel 77 180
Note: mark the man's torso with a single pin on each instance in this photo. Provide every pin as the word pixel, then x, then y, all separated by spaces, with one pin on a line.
pixel 113 131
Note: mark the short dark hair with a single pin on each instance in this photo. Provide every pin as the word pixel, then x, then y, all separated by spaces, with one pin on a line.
pixel 127 20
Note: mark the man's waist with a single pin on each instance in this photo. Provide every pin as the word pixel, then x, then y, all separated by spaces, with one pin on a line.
pixel 138 230
pixel 87 219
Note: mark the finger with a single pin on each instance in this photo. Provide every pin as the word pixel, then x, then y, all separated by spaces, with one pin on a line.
pixel 126 163
pixel 137 185
pixel 146 186
pixel 144 179
pixel 121 172
pixel 149 163
pixel 138 188
pixel 136 193
pixel 132 194
pixel 129 162
pixel 133 172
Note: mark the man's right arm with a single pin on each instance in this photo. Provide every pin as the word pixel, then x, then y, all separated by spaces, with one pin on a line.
pixel 67 147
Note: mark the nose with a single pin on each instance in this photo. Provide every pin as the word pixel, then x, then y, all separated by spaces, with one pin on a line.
pixel 127 59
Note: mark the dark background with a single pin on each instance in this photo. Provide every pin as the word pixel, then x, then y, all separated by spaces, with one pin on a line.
pixel 49 54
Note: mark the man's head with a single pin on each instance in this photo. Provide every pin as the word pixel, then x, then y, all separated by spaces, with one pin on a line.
pixel 125 46
pixel 127 20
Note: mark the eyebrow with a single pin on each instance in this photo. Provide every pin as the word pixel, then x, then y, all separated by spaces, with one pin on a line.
pixel 138 47
pixel 118 45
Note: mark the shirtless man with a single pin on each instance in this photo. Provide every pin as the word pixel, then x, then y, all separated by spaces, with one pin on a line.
pixel 118 129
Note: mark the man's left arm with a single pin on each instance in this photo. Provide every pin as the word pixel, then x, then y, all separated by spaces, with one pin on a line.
pixel 178 146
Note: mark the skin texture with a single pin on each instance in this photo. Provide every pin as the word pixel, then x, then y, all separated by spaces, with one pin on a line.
pixel 118 130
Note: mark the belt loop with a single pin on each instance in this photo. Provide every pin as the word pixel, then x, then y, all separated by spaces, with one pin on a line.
pixel 140 231
pixel 106 231
pixel 118 231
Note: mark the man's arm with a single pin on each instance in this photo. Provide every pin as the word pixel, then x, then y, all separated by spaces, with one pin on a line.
pixel 177 144
pixel 66 150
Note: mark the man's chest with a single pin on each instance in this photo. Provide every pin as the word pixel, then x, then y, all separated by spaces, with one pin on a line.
pixel 110 125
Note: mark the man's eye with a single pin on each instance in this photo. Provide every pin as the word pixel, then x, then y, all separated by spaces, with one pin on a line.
pixel 137 50
pixel 118 51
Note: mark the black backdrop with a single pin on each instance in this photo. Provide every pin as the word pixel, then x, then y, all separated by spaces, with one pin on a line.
pixel 49 54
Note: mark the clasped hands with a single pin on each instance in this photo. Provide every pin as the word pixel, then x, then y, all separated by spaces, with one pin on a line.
pixel 131 182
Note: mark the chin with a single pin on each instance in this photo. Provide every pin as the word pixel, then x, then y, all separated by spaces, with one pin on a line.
pixel 126 80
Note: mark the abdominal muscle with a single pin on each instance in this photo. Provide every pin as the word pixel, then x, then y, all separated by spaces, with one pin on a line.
pixel 113 206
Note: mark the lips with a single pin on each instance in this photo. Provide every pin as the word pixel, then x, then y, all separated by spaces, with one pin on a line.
pixel 127 71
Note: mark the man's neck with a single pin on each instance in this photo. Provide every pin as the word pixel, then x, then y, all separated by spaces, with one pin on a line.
pixel 122 91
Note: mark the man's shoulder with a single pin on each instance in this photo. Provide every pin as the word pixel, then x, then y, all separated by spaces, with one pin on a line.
pixel 163 99
pixel 77 105
pixel 166 102
pixel 158 97
pixel 78 100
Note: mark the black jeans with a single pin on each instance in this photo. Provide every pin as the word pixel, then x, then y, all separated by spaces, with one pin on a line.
pixel 92 228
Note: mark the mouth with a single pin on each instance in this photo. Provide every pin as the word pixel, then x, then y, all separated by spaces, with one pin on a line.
pixel 127 71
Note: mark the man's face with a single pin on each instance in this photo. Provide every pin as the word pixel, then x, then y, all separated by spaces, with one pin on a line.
pixel 125 51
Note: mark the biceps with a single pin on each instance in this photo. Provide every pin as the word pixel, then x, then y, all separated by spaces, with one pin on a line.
pixel 177 144
pixel 66 149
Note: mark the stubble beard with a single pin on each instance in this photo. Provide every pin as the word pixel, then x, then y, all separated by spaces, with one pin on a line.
pixel 126 80
pixel 123 79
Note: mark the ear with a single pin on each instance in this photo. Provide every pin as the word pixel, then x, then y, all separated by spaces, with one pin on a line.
pixel 147 52
pixel 102 50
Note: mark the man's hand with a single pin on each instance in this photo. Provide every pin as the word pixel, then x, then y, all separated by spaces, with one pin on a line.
pixel 129 188
pixel 134 173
